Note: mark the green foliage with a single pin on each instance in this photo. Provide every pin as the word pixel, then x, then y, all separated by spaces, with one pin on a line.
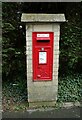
pixel 70 50
pixel 70 43
pixel 17 91
pixel 14 95
pixel 13 52
pixel 69 88
pixel 7 27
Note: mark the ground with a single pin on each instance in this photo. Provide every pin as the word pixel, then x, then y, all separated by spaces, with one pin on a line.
pixel 72 112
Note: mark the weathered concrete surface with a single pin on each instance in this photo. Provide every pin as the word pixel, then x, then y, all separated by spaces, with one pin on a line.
pixel 73 112
pixel 42 17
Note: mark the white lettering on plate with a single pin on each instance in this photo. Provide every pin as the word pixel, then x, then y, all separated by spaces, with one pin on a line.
pixel 42 35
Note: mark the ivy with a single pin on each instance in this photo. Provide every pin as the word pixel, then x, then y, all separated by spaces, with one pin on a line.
pixel 69 88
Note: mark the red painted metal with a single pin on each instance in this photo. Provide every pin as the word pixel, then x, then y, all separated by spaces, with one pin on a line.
pixel 42 55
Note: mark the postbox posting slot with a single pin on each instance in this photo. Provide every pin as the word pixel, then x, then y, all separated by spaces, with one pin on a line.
pixel 43 41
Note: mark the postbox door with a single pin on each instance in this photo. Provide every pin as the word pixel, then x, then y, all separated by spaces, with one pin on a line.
pixel 42 60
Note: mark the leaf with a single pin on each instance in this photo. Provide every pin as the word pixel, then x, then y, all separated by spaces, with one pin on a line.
pixel 7 27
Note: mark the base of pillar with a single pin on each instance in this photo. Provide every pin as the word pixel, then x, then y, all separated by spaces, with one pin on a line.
pixel 42 104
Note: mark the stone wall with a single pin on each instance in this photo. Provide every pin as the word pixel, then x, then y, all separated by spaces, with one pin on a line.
pixel 43 91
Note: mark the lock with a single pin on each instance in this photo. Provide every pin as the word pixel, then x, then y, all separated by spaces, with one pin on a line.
pixel 38 76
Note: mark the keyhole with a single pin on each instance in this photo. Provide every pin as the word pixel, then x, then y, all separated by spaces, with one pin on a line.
pixel 38 76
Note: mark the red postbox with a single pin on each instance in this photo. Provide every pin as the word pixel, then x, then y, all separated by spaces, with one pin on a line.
pixel 42 49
